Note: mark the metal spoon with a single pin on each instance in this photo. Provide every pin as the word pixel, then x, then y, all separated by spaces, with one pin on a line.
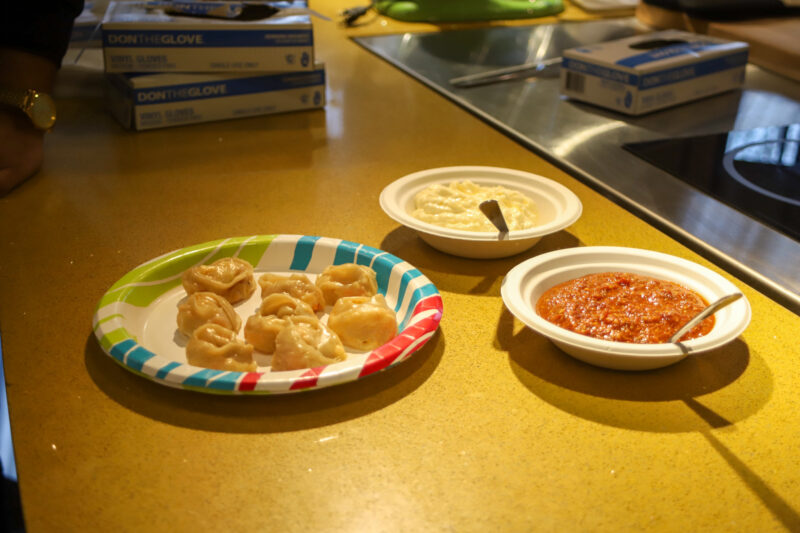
pixel 705 313
pixel 491 209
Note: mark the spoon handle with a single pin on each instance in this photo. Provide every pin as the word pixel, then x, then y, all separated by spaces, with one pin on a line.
pixel 545 68
pixel 705 313
pixel 491 209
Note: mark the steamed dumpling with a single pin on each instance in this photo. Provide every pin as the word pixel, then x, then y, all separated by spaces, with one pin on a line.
pixel 283 305
pixel 363 323
pixel 230 277
pixel 348 279
pixel 261 329
pixel 305 342
pixel 297 285
pixel 204 308
pixel 213 346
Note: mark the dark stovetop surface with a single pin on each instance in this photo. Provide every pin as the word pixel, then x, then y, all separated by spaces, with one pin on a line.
pixel 755 171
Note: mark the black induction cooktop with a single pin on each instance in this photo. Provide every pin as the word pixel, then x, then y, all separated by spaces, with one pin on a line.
pixel 755 171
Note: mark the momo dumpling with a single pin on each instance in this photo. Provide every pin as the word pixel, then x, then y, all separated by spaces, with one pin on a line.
pixel 306 342
pixel 283 305
pixel 362 322
pixel 230 277
pixel 214 346
pixel 348 279
pixel 260 331
pixel 262 328
pixel 297 285
pixel 206 308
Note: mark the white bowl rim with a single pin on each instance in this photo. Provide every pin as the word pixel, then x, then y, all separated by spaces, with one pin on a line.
pixel 565 218
pixel 739 312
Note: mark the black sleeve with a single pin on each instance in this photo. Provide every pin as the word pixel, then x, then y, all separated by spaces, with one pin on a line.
pixel 39 27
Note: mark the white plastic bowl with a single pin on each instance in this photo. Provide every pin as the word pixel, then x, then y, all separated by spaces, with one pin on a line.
pixel 526 282
pixel 557 208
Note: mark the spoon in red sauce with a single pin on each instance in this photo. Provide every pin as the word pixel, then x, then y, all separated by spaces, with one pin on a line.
pixel 705 313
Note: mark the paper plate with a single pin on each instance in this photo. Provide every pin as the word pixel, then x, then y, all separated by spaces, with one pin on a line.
pixel 135 321
pixel 525 283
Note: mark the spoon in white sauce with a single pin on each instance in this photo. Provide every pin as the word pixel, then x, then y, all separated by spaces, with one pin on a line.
pixel 705 313
pixel 491 209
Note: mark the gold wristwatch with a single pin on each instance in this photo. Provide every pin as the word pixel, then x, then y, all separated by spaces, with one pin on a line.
pixel 39 107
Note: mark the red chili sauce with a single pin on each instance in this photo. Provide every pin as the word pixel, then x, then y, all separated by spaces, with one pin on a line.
pixel 622 307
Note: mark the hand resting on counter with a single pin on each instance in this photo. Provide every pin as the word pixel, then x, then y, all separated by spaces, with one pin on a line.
pixel 21 148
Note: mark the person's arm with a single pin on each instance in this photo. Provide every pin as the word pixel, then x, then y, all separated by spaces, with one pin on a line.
pixel 34 36
pixel 21 144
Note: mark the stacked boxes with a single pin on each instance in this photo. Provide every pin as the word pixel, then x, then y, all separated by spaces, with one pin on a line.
pixel 179 62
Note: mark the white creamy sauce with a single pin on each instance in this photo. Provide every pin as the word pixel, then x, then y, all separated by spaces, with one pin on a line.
pixel 455 206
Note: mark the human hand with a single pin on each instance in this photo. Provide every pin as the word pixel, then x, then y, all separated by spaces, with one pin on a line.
pixel 21 148
pixel 21 144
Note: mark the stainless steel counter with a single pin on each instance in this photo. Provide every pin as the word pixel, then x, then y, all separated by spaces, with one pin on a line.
pixel 587 141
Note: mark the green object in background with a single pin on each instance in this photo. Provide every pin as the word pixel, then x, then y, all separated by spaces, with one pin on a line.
pixel 466 10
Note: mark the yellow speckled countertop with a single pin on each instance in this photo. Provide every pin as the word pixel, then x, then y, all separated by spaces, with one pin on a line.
pixel 489 427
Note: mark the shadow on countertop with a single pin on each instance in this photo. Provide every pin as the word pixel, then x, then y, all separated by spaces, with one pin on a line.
pixel 651 400
pixel 702 393
pixel 259 413
pixel 477 277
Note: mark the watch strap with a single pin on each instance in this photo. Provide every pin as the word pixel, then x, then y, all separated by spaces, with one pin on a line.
pixel 13 97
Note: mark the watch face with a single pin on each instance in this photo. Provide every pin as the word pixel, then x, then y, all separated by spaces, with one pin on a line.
pixel 42 111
